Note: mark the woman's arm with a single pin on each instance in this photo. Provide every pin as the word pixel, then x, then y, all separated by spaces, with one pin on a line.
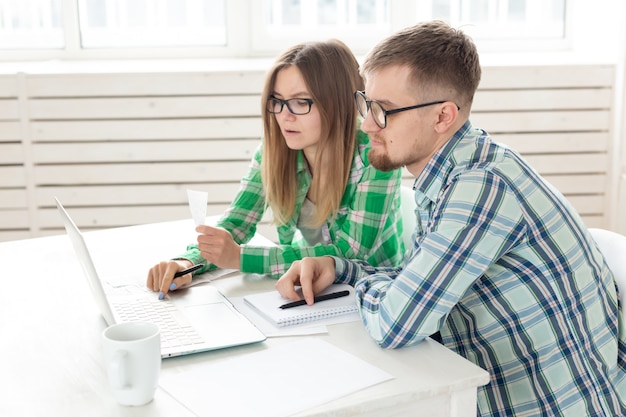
pixel 243 215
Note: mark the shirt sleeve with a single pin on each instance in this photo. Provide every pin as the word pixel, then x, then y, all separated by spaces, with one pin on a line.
pixel 363 228
pixel 369 231
pixel 243 215
pixel 476 220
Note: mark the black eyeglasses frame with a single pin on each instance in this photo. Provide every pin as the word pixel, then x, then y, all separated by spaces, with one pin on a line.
pixel 368 105
pixel 284 103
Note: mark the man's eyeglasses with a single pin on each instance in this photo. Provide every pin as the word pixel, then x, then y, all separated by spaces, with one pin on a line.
pixel 379 114
pixel 298 106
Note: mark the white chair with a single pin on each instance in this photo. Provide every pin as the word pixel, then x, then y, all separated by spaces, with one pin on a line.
pixel 613 247
pixel 407 212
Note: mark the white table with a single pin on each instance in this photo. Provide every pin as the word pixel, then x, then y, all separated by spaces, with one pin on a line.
pixel 50 337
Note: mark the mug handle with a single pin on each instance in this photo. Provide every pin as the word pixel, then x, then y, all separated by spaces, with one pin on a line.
pixel 118 369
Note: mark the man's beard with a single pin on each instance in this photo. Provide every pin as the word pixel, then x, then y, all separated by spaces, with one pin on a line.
pixel 381 161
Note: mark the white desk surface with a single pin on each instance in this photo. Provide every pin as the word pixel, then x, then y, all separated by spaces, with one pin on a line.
pixel 50 337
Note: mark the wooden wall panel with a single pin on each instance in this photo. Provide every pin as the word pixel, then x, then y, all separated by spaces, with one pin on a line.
pixel 11 154
pixel 9 109
pixel 547 76
pixel 145 84
pixel 138 151
pixel 186 107
pixel 148 130
pixel 9 131
pixel 122 148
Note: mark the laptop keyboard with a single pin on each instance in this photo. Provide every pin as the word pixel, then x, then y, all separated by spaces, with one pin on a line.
pixel 175 328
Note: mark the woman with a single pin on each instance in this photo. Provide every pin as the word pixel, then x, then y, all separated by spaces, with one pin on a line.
pixel 311 170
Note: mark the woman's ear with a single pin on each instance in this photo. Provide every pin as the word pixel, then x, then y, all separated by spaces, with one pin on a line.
pixel 448 115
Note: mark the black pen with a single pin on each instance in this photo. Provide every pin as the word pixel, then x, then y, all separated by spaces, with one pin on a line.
pixel 180 274
pixel 188 270
pixel 317 298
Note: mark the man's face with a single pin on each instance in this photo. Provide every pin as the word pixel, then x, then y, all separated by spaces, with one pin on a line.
pixel 409 138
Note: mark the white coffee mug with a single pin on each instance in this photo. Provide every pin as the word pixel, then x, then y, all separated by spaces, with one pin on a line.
pixel 132 354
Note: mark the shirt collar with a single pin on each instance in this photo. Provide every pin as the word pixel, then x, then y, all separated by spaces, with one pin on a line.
pixel 435 173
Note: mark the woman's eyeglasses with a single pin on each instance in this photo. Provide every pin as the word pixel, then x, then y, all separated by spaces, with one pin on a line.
pixel 298 106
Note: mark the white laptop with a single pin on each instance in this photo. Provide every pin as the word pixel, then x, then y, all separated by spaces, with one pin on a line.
pixel 192 320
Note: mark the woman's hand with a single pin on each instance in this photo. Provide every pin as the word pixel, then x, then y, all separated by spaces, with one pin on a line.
pixel 161 276
pixel 218 247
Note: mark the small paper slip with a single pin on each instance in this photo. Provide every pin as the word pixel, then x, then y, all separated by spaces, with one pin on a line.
pixel 197 205
pixel 275 382
pixel 268 305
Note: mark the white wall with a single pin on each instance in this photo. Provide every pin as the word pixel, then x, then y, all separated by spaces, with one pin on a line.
pixel 120 143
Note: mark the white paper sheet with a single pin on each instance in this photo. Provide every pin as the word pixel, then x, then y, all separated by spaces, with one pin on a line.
pixel 276 382
pixel 198 205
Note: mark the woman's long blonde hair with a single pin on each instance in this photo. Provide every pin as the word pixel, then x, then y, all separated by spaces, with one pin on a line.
pixel 331 74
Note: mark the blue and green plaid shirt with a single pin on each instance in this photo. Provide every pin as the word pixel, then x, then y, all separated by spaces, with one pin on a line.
pixel 504 268
pixel 367 225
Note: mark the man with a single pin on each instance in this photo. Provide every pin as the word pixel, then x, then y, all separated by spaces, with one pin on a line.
pixel 502 266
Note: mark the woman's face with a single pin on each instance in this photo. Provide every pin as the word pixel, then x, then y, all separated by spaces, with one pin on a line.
pixel 301 132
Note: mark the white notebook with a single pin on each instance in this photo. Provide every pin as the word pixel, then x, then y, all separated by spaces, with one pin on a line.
pixel 268 305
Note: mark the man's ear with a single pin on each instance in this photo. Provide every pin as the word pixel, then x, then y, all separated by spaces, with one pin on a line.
pixel 448 115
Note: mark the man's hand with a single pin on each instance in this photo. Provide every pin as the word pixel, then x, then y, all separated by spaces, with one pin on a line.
pixel 312 274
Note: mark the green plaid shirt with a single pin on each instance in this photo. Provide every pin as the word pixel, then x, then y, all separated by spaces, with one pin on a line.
pixel 367 225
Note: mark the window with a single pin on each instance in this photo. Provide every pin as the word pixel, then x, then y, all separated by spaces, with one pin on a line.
pixel 359 23
pixel 144 23
pixel 29 24
pixel 502 19
pixel 76 29
pixel 504 24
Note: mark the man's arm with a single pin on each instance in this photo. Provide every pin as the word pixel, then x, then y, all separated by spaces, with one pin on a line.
pixel 476 220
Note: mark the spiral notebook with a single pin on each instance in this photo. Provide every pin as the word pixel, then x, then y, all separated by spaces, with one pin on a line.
pixel 268 305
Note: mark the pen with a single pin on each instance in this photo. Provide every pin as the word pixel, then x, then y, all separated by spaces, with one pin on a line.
pixel 180 274
pixel 188 270
pixel 317 298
